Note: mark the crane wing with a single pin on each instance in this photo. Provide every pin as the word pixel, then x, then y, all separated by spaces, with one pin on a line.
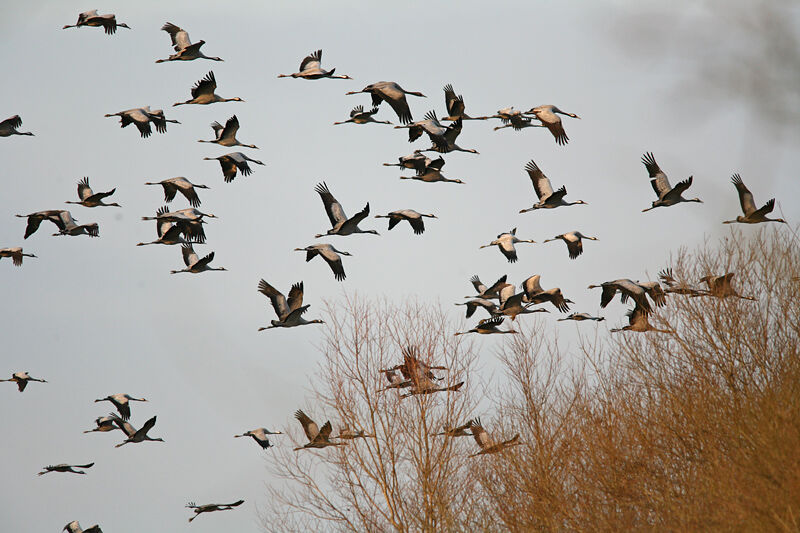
pixel 479 434
pixel 33 224
pixel 206 85
pixel 745 196
pixel 276 297
pixel 189 255
pixel 658 180
pixel 204 261
pixel 332 206
pixel 540 182
pixel 399 104
pixel 765 209
pixel 84 191
pixel 309 426
pixel 231 127
pixel 146 427
pixel 180 38
pixel 361 215
pixel 479 286
pixel 325 431
pixel 296 296
pixel 11 122
pixel 312 61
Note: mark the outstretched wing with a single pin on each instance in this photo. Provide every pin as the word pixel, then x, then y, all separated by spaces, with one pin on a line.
pixel 180 38
pixel 84 191
pixel 276 297
pixel 206 85
pixel 189 255
pixel 309 426
pixel 540 182
pixel 312 61
pixel 745 196
pixel 296 296
pixel 658 179
pixel 332 206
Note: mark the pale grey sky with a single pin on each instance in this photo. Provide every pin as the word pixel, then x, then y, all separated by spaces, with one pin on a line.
pixel 101 316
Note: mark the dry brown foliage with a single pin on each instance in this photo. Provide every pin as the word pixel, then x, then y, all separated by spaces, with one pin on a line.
pixel 697 430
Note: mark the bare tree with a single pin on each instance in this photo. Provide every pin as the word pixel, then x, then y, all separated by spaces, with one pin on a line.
pixel 405 478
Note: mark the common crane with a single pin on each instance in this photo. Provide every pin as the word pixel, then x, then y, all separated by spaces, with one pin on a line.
pixel 667 195
pixel 416 161
pixel 135 435
pixel 311 69
pixel 341 224
pixel 15 254
pixel 64 468
pixel 9 127
pixel 488 293
pixel 75 527
pixel 431 172
pixel 638 322
pixel 203 92
pixel 475 303
pixel 174 185
pixel 226 136
pixel 67 226
pixel 535 294
pixel 22 379
pixel 211 507
pixel 721 287
pixel 580 317
pixel 121 402
pixel 627 289
pixel 675 287
pixel 359 116
pixel 505 243
pixel 486 443
pixel 103 424
pixel 329 254
pixel 260 436
pixel 232 162
pixel 414 219
pixel 513 303
pixel 170 233
pixel 317 437
pixel 548 199
pixel 456 431
pixel 92 19
pixel 35 220
pixel 195 265
pixel 186 51
pixel 751 214
pixel 142 117
pixel 488 326
pixel 90 198
pixel 548 116
pixel 455 105
pixel 393 94
pixel 573 241
pixel 290 312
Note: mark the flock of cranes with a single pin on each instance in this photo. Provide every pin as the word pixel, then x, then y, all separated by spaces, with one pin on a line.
pixel 415 375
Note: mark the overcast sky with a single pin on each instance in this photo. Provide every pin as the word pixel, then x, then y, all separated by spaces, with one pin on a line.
pixel 709 88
